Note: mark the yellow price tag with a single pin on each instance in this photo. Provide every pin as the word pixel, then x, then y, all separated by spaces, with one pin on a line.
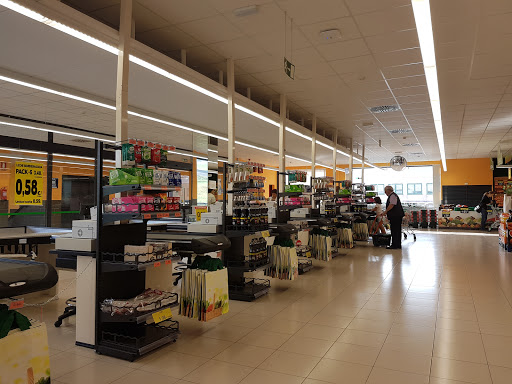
pixel 200 211
pixel 162 315
pixel 28 183
pixel 265 234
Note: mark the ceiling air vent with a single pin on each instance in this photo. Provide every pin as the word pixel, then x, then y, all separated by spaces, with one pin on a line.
pixel 385 108
pixel 78 140
pixel 400 130
pixel 410 144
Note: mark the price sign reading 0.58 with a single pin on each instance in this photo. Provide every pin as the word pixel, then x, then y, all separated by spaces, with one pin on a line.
pixel 28 183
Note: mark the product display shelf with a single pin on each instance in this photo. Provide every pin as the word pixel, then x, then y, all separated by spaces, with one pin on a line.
pixel 249 290
pixel 110 217
pixel 249 266
pixel 112 189
pixel 123 337
pixel 291 194
pixel 131 341
pixel 119 265
pixel 138 318
pixel 240 287
pixel 305 265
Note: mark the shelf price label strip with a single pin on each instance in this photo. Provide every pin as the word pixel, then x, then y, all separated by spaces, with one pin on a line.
pixel 162 315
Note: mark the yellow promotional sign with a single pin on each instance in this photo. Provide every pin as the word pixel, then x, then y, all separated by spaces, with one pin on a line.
pixel 28 183
pixel 162 315
pixel 200 211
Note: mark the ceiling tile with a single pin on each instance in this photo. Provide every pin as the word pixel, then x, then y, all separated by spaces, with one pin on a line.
pixel 385 21
pixel 308 12
pixel 211 30
pixel 343 49
pixel 180 11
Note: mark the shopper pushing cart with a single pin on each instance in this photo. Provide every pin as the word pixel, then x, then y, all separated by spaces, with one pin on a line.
pixel 395 213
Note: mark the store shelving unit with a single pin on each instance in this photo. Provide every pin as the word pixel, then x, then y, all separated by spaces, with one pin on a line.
pixel 241 288
pixel 126 336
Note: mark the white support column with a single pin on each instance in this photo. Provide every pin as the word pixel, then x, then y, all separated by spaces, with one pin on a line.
pixel 221 77
pixel 313 147
pixel 282 159
pixel 351 161
pixel 334 153
pixel 362 167
pixel 184 56
pixel 231 111
pixel 123 67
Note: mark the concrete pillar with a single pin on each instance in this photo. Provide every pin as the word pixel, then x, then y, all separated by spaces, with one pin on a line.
pixel 221 77
pixel 351 161
pixel 123 69
pixel 282 126
pixel 184 56
pixel 231 111
pixel 362 167
pixel 334 154
pixel 313 147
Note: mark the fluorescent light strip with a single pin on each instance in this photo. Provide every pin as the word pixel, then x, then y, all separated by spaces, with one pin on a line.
pixel 256 114
pixel 49 90
pixel 212 150
pixel 175 125
pixel 55 154
pixel 324 145
pixel 298 134
pixel 44 160
pixel 298 158
pixel 423 19
pixel 177 79
pixel 256 147
pixel 54 131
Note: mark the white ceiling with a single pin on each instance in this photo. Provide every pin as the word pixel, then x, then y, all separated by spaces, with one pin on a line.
pixel 376 62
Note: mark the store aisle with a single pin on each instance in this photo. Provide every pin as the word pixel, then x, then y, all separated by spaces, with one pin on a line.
pixel 439 312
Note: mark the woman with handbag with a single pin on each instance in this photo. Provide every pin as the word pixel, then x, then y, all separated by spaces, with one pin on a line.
pixel 482 206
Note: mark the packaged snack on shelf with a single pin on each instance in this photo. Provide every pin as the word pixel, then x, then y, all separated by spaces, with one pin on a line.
pixel 148 176
pixel 146 155
pixel 127 154
pixel 137 153
pixel 121 177
pixel 155 156
pixel 149 300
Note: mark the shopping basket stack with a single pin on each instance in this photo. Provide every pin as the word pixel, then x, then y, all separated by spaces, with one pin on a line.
pixel 424 218
pixel 432 218
pixel 415 219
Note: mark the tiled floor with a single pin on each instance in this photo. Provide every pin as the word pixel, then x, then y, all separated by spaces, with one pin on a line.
pixel 438 312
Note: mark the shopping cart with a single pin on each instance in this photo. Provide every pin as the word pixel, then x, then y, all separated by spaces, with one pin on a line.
pixel 407 229
pixel 496 211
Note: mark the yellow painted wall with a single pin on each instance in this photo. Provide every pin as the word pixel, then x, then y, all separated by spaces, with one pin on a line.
pixel 470 171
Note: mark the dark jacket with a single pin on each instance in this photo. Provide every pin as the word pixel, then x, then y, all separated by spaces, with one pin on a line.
pixel 397 211
pixel 486 200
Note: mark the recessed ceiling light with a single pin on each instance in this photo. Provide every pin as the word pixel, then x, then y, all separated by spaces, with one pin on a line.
pixel 246 11
pixel 330 34
pixel 400 131
pixel 410 144
pixel 385 108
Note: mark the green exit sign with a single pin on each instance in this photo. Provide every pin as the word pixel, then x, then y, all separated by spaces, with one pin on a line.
pixel 289 69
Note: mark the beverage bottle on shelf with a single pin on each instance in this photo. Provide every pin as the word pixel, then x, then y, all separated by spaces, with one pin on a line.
pixel 244 217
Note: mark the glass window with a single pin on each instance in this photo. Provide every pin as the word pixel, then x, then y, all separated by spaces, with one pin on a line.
pixel 415 189
pixel 398 188
pixel 380 188
pixel 430 188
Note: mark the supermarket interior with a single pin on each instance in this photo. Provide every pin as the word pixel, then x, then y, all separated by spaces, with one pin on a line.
pixel 278 191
